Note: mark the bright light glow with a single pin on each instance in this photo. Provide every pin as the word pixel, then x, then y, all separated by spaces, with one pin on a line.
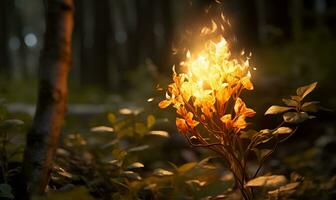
pixel 211 79
pixel 30 40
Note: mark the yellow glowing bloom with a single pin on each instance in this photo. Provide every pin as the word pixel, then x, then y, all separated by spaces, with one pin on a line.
pixel 209 88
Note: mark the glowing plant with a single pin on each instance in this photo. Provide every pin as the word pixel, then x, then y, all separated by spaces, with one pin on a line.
pixel 212 114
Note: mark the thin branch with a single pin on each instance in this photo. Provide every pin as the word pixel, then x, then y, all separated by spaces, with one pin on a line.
pixel 292 133
pixel 265 157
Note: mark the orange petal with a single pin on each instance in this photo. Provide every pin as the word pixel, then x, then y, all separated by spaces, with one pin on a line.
pixel 238 105
pixel 226 118
pixel 164 103
pixel 240 123
pixel 181 111
pixel 181 125
pixel 248 112
pixel 246 82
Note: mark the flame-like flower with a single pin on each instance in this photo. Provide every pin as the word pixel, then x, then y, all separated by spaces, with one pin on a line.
pixel 207 92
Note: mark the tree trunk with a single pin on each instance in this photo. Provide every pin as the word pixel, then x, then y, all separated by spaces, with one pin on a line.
pixel 43 137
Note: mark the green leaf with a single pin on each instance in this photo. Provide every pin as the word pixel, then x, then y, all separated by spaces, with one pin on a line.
pixel 13 122
pixel 138 148
pixel 102 129
pixel 80 192
pixel 119 154
pixel 296 98
pixel 131 175
pixel 140 128
pixel 196 182
pixel 116 163
pixel 159 133
pixel 290 102
pixel 295 117
pixel 204 163
pixel 273 181
pixel 261 153
pixel 125 111
pixel 118 182
pixel 283 130
pixel 161 172
pixel 186 167
pixel 305 90
pixel 135 165
pixel 311 106
pixel 267 131
pixel 150 120
pixel 277 109
pixel 111 118
pixel 6 191
pixel 285 190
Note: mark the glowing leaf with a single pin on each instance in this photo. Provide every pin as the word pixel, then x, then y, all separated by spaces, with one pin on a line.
pixel 283 130
pixel 135 165
pixel 102 129
pixel 125 111
pixel 131 175
pixel 277 109
pixel 290 102
pixel 268 181
pixel 138 148
pixel 162 172
pixel 295 117
pixel 310 106
pixel 305 90
pixel 159 133
pixel 296 98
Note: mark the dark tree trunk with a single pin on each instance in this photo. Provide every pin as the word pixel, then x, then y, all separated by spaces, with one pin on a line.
pixel 43 137
pixel 4 55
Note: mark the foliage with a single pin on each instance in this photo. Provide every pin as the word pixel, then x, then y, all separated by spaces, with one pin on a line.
pixel 211 114
pixel 114 169
pixel 10 152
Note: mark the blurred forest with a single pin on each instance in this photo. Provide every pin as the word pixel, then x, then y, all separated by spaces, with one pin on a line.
pixel 116 44
pixel 123 51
